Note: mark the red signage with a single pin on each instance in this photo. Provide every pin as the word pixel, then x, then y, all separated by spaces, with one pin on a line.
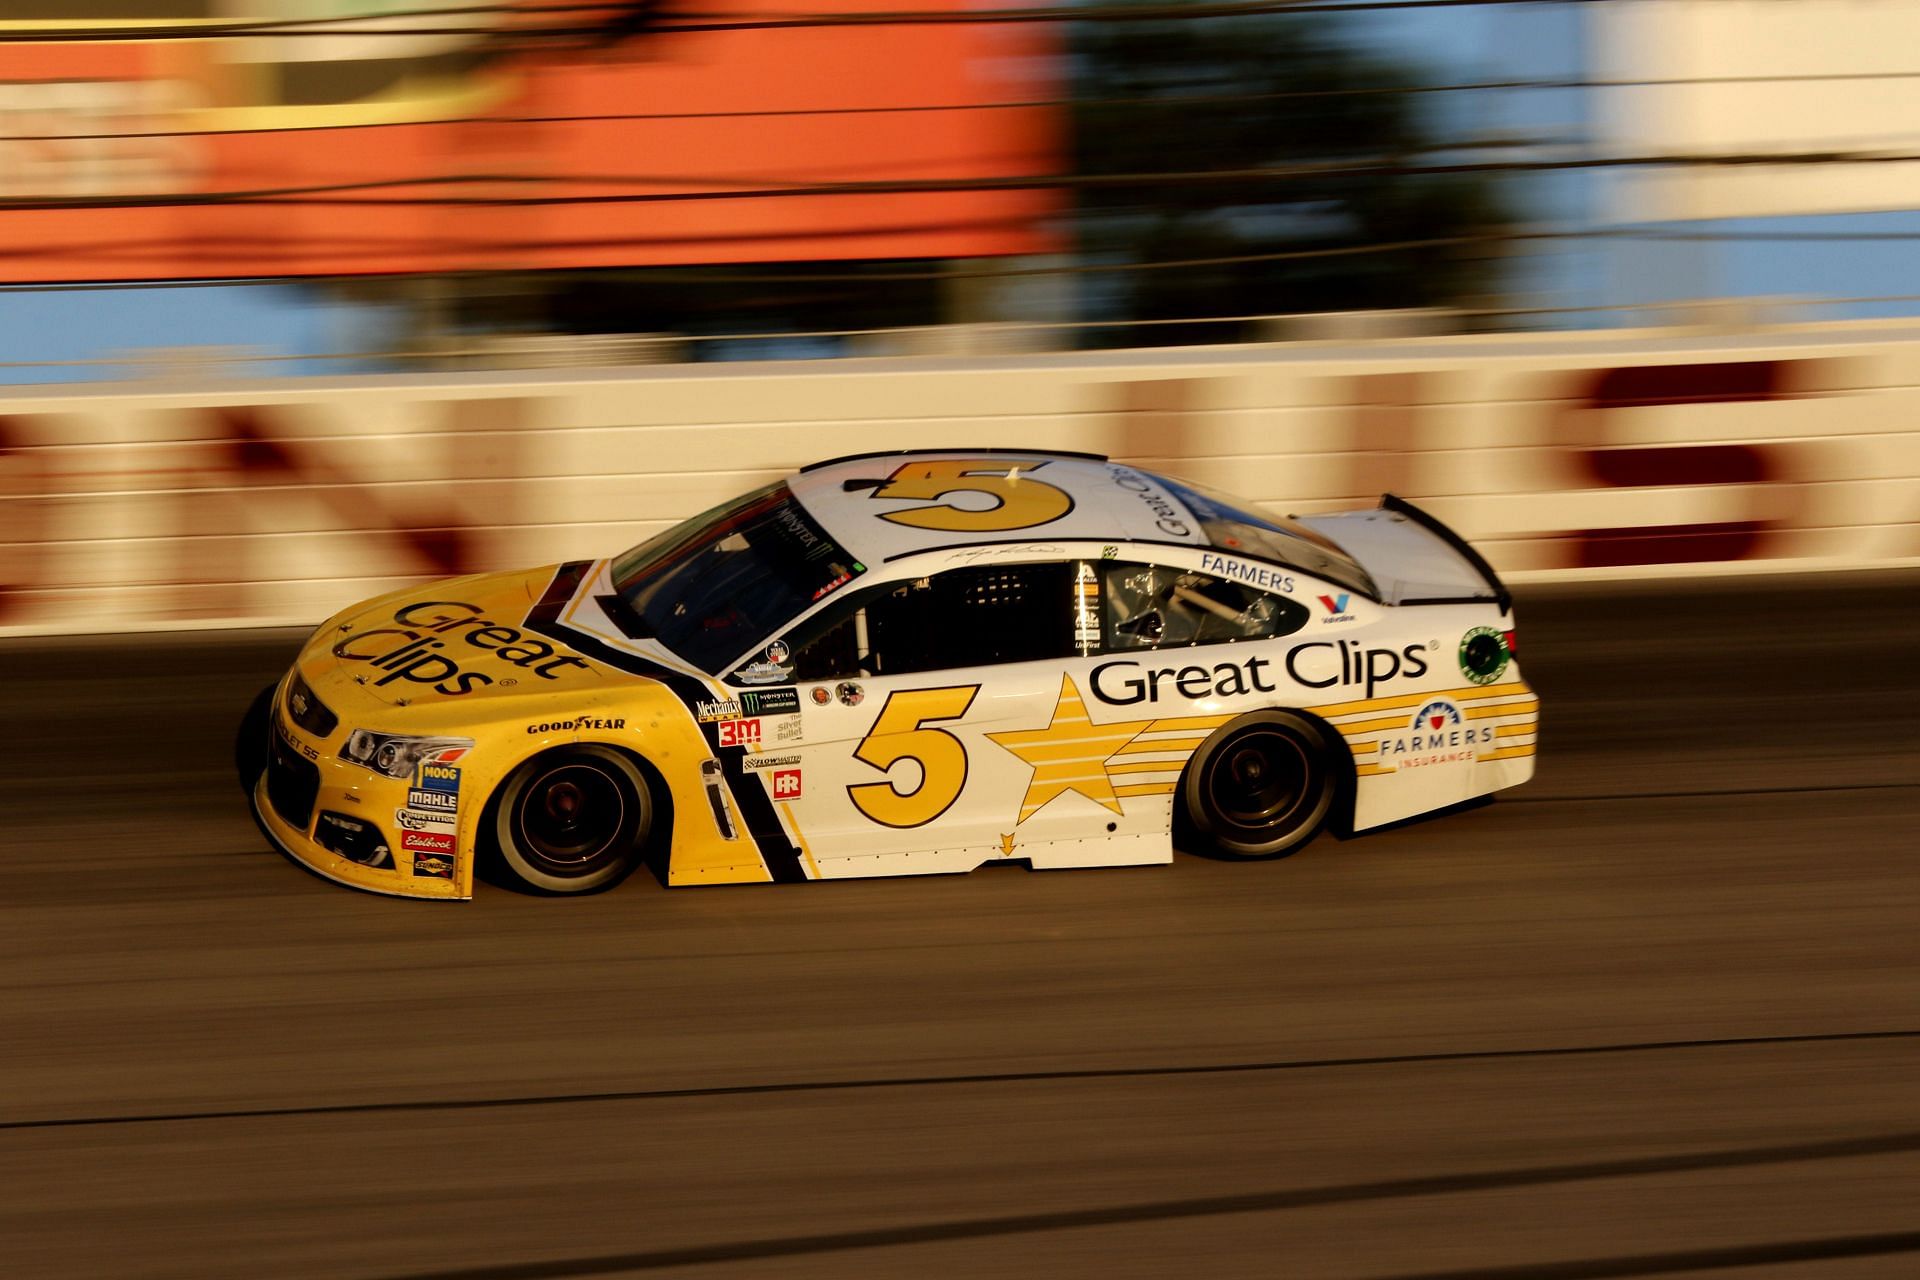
pixel 386 145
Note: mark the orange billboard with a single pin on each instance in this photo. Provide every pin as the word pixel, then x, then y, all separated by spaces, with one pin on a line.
pixel 194 139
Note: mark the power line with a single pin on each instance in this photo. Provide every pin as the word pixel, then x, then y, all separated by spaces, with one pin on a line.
pixel 1170 100
pixel 348 194
pixel 375 25
pixel 705 275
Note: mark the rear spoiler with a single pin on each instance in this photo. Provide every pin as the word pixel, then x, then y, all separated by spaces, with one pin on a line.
pixel 1400 506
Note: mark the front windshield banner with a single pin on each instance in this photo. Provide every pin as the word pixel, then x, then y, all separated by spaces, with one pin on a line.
pixel 709 588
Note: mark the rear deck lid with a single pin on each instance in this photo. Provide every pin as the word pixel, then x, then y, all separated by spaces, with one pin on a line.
pixel 1411 557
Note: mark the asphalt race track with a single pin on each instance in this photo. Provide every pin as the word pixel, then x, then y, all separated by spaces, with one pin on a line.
pixel 1657 1013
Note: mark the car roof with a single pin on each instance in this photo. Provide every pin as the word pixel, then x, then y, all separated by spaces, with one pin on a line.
pixel 1111 502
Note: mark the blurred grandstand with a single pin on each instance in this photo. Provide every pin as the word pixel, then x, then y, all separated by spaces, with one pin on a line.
pixel 551 182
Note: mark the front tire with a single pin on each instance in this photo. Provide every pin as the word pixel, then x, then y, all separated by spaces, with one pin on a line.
pixel 573 820
pixel 1261 787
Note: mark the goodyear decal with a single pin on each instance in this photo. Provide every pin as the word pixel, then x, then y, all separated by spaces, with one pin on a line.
pixel 777 850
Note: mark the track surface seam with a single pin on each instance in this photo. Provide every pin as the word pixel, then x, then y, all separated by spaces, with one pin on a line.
pixel 981 1078
pixel 1276 1201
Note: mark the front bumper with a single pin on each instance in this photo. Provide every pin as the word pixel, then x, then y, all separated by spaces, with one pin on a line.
pixel 308 798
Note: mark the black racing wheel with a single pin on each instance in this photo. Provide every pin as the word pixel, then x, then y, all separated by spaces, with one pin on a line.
pixel 573 820
pixel 1260 787
pixel 250 740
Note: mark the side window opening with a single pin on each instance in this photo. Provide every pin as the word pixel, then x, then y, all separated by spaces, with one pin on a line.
pixel 1152 606
pixel 973 616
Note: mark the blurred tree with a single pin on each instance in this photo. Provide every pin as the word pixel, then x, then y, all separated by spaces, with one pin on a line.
pixel 1184 96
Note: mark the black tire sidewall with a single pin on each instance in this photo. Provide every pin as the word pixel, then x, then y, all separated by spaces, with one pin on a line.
pixel 250 739
pixel 498 821
pixel 1225 839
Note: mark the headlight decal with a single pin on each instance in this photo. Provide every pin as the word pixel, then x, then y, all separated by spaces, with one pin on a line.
pixel 399 755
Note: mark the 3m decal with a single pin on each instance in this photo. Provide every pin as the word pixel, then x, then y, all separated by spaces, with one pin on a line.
pixel 901 733
pixel 1484 654
pixel 1018 501
pixel 739 733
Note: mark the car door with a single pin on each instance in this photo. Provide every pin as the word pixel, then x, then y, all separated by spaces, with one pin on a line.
pixel 1180 653
pixel 901 687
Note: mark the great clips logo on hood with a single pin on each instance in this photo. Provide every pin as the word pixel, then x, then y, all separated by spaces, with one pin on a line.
pixel 439 643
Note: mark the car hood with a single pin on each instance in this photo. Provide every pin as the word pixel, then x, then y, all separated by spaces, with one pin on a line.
pixel 440 648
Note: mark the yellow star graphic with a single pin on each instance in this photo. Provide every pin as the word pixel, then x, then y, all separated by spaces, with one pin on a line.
pixel 1070 754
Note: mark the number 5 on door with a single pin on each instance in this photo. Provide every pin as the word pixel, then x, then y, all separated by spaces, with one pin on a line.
pixel 901 733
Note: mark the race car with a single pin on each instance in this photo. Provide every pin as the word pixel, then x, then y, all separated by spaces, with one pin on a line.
pixel 901 663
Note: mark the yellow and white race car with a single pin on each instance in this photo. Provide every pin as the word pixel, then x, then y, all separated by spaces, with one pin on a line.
pixel 901 663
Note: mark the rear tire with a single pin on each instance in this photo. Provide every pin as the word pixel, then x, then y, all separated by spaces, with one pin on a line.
pixel 572 820
pixel 1260 787
pixel 250 740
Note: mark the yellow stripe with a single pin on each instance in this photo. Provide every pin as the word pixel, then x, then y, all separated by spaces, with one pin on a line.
pixel 1530 707
pixel 1353 727
pixel 800 838
pixel 1146 766
pixel 1514 730
pixel 1503 753
pixel 1472 693
pixel 1140 748
pixel 1187 723
pixel 1066 749
pixel 1146 789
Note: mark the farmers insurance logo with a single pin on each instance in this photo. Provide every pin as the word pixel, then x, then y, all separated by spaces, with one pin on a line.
pixel 1438 735
pixel 1336 607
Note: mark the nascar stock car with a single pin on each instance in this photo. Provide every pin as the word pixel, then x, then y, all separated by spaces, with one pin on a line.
pixel 901 663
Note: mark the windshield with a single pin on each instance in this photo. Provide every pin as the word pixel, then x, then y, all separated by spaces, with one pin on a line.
pixel 1231 527
pixel 709 588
